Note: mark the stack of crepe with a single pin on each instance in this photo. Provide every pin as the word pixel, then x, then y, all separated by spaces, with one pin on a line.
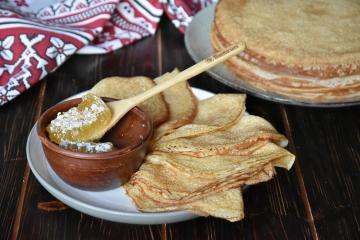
pixel 204 154
pixel 303 50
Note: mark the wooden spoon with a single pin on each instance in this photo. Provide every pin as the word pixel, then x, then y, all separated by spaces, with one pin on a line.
pixel 121 107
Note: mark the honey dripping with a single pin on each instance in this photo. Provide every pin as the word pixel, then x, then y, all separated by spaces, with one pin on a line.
pixel 78 122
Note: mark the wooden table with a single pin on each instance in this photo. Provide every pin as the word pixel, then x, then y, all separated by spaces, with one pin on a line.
pixel 317 198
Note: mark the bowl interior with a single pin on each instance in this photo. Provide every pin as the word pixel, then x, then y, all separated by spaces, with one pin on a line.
pixel 129 133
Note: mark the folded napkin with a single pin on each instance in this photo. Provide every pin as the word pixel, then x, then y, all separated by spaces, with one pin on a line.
pixel 36 37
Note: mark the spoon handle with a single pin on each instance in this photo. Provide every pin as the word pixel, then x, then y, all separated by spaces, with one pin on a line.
pixel 190 72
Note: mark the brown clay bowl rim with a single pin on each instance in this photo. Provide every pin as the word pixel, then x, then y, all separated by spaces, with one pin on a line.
pixel 89 156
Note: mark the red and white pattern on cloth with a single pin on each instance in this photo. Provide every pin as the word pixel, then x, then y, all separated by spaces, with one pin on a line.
pixel 36 37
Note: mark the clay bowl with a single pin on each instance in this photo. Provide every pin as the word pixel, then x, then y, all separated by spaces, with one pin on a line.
pixel 99 171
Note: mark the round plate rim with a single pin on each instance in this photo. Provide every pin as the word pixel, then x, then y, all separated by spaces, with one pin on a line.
pixel 100 212
pixel 208 13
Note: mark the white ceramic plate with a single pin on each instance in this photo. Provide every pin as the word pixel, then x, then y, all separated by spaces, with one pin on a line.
pixel 113 205
pixel 198 45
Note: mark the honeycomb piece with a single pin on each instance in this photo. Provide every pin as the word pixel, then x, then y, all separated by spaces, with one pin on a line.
pixel 78 122
pixel 87 147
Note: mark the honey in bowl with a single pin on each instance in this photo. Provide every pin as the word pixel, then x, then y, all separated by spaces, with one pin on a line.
pixel 78 122
pixel 70 128
pixel 98 171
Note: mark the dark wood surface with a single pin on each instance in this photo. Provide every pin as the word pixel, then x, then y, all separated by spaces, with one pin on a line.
pixel 317 199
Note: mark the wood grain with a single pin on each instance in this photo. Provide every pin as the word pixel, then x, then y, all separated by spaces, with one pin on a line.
pixel 319 198
pixel 16 120
pixel 300 177
pixel 327 144
pixel 25 179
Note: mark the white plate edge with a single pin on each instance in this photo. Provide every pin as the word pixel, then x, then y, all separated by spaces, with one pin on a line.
pixel 134 218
